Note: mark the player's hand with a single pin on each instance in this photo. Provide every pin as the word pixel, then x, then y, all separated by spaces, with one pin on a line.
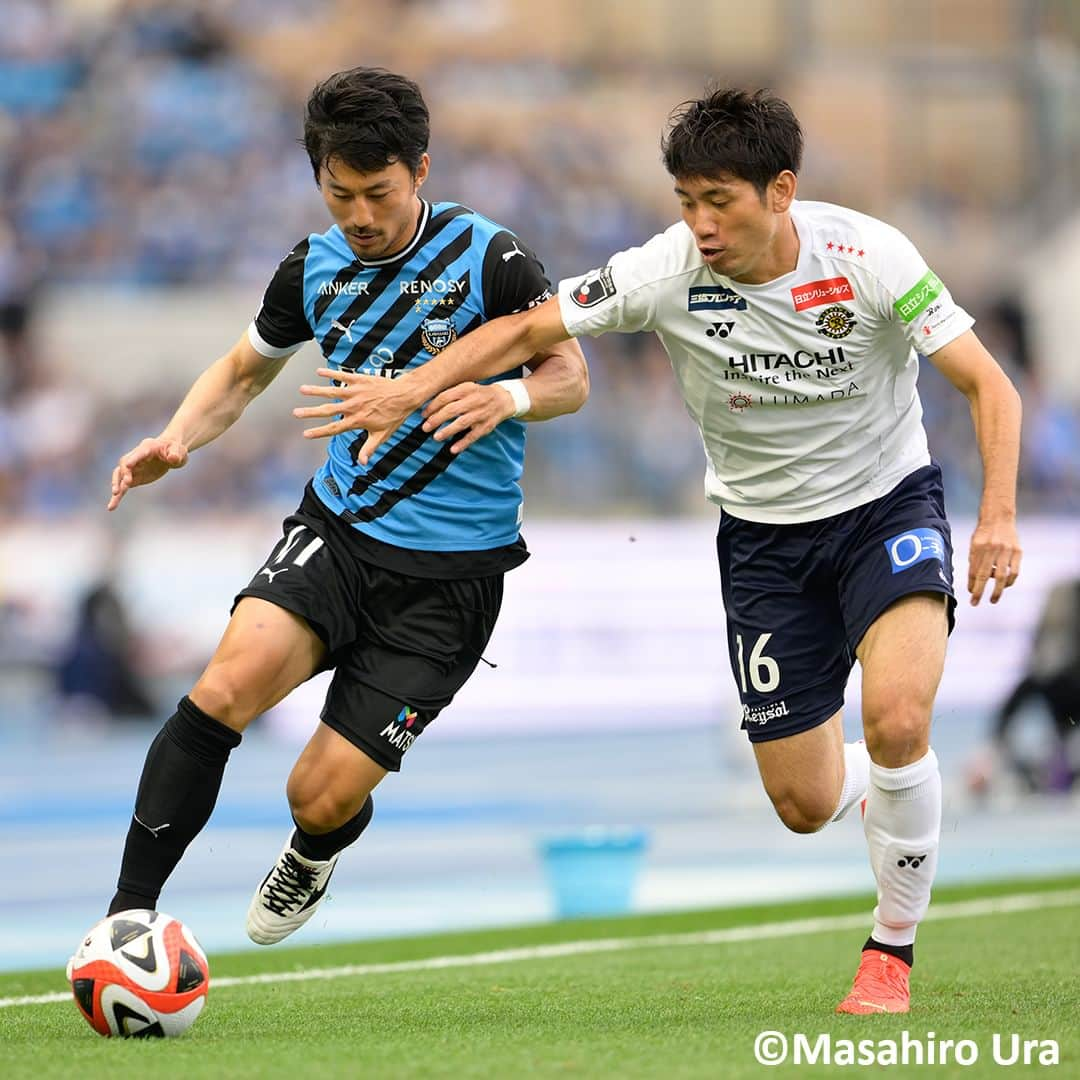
pixel 995 554
pixel 149 461
pixel 368 403
pixel 470 409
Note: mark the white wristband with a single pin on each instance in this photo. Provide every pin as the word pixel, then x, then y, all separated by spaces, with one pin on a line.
pixel 517 390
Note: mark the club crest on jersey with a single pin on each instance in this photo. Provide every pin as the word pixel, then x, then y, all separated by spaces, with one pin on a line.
pixel 835 322
pixel 595 286
pixel 436 334
pixel 714 298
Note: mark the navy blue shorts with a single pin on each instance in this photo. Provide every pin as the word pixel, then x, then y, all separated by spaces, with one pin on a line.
pixel 799 598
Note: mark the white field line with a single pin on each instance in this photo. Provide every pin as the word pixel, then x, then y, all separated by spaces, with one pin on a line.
pixel 1000 905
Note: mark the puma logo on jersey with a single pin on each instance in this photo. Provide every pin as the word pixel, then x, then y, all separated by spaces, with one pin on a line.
pixel 336 325
pixel 272 573
pixel 508 255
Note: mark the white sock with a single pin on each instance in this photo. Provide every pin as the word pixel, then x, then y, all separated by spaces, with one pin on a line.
pixel 856 777
pixel 903 828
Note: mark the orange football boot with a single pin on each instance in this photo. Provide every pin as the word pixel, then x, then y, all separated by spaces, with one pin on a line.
pixel 881 985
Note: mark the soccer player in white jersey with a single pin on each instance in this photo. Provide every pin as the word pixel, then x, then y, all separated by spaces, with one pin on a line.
pixel 793 329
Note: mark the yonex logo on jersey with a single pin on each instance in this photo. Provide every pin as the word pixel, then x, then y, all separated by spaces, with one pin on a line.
pixel 827 291
pixel 917 299
pixel 595 286
pixel 720 329
pixel 710 298
pixel 914 546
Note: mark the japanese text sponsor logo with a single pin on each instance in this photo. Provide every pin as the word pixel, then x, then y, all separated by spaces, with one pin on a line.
pixel 764 713
pixel 397 732
pixel 714 298
pixel 438 286
pixel 919 298
pixel 343 288
pixel 437 334
pixel 538 300
pixel 827 291
pixel 914 546
pixel 595 286
pixel 835 322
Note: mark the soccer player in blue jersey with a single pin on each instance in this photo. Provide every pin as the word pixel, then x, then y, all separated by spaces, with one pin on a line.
pixel 794 329
pixel 391 571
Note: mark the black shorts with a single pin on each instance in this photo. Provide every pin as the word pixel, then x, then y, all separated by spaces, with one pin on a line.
pixel 401 647
pixel 799 598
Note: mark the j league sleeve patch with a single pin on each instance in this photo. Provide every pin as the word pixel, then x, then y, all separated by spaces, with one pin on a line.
pixel 597 285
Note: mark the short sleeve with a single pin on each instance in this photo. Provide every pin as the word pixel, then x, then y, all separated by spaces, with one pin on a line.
pixel 620 296
pixel 916 299
pixel 513 277
pixel 281 326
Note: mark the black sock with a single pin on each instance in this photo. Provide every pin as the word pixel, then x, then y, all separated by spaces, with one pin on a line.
pixel 902 952
pixel 177 791
pixel 322 846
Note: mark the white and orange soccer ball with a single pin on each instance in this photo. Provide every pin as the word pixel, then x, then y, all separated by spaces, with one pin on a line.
pixel 139 974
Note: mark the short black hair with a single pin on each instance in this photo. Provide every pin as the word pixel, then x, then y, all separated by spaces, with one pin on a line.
pixel 750 136
pixel 367 117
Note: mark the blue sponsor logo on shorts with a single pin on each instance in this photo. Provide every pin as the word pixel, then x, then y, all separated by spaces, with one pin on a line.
pixel 714 298
pixel 915 546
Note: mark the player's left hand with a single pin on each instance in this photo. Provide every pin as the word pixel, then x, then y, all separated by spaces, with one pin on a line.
pixel 368 403
pixel 475 409
pixel 995 553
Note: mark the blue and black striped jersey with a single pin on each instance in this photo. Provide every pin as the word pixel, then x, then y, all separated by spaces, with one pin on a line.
pixel 419 507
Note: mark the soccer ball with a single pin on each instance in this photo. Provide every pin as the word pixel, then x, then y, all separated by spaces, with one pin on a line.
pixel 139 974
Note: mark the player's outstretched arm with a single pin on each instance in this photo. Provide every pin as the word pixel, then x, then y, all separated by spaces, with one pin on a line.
pixel 214 402
pixel 559 384
pixel 379 406
pixel 995 411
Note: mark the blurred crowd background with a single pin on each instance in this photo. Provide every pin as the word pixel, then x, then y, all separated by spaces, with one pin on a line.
pixel 148 149
pixel 151 179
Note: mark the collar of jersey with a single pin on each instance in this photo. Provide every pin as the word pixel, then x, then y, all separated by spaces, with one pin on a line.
pixel 405 252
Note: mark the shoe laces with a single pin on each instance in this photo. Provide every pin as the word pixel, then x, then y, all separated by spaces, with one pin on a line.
pixel 289 885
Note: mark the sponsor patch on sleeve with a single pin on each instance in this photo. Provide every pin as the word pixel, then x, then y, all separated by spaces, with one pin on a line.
pixel 597 285
pixel 827 291
pixel 918 298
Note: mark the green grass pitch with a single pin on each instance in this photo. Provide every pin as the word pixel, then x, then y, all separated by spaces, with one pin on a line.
pixel 668 1010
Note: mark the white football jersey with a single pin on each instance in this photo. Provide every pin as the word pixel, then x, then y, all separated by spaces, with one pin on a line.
pixel 804 388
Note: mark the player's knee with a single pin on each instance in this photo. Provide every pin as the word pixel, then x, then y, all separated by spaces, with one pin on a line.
pixel 316 806
pixel 895 728
pixel 803 813
pixel 220 693
pixel 319 812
